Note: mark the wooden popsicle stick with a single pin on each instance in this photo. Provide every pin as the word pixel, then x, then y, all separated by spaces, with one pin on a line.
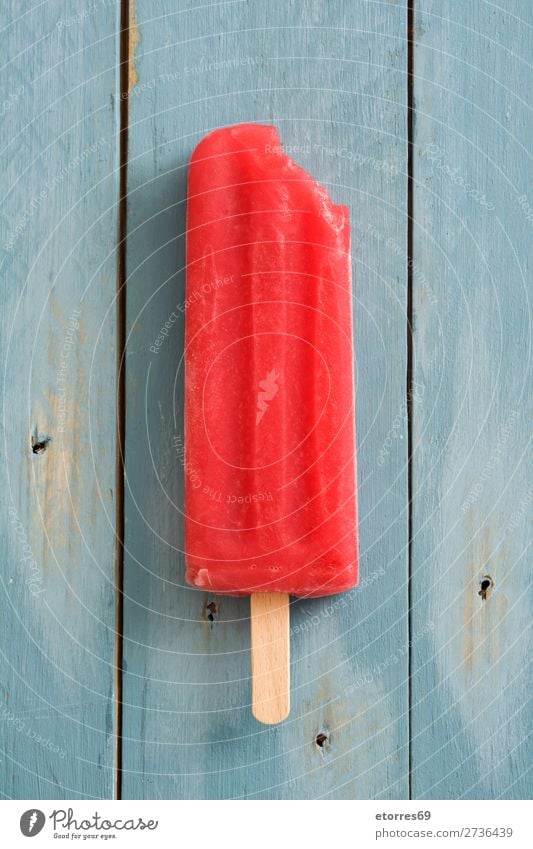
pixel 269 614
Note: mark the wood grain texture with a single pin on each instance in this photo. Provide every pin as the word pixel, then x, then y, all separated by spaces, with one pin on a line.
pixel 472 492
pixel 270 656
pixel 58 231
pixel 332 77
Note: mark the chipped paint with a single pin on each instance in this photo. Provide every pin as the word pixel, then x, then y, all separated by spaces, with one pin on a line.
pixel 134 37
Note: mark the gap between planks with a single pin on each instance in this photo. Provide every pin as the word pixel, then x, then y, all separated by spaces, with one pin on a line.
pixel 409 381
pixel 124 82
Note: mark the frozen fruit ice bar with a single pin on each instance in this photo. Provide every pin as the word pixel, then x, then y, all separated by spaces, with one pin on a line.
pixel 270 473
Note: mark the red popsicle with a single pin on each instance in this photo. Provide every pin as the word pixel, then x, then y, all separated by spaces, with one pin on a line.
pixel 270 494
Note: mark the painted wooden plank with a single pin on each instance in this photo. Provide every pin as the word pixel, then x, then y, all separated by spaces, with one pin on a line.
pixel 332 77
pixel 58 233
pixel 472 418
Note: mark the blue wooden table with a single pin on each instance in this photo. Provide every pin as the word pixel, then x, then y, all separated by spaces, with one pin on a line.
pixel 115 677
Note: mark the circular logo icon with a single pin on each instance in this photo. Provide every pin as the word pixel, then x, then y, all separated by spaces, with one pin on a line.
pixel 32 822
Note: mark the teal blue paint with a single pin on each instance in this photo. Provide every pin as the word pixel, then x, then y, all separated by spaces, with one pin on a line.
pixel 332 78
pixel 472 423
pixel 58 352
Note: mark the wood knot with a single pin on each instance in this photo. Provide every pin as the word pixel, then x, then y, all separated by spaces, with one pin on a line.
pixel 39 445
pixel 322 740
pixel 211 612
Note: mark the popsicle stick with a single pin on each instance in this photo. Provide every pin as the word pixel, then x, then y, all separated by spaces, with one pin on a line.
pixel 270 657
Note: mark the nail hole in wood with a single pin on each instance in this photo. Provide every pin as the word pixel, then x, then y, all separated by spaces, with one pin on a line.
pixel 39 446
pixel 321 740
pixel 211 611
pixel 485 587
